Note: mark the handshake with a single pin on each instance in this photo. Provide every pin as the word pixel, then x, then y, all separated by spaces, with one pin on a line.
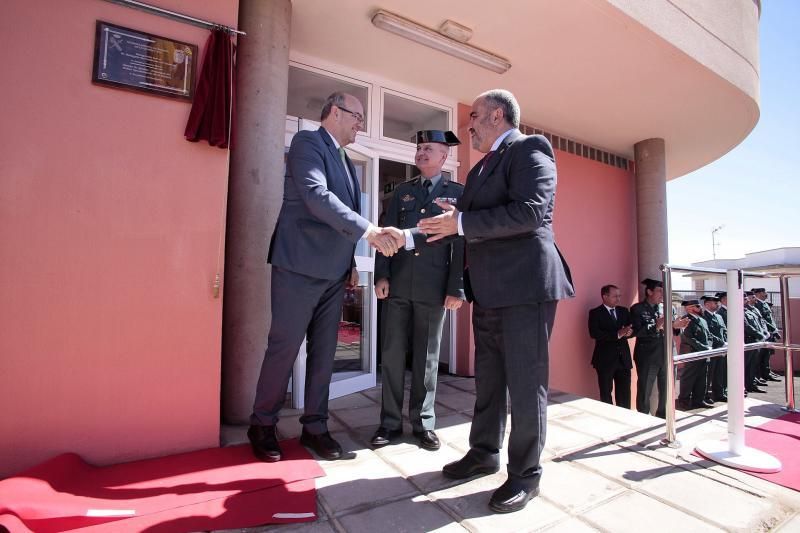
pixel 386 240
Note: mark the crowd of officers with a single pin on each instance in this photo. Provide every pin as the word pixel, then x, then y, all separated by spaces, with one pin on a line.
pixel 703 326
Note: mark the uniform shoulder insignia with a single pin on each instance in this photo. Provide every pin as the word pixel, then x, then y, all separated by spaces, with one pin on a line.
pixel 407 198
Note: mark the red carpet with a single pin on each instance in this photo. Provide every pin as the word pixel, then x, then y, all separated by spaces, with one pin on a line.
pixel 218 488
pixel 779 438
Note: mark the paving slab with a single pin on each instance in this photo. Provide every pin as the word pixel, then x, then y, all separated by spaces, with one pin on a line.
pixel 406 515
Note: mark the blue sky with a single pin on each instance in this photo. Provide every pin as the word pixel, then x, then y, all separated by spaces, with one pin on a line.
pixel 761 176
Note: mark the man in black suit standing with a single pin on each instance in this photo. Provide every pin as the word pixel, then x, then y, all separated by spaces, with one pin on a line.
pixel 319 219
pixel 514 275
pixel 610 327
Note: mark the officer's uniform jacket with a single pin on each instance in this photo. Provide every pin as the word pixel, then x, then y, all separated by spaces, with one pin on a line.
pixel 716 328
pixel 766 314
pixel 755 329
pixel 429 272
pixel 695 336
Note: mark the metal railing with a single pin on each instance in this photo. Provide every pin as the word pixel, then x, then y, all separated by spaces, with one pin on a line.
pixel 735 372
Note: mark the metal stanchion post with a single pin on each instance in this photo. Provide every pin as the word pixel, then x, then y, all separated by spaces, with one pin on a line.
pixel 734 453
pixel 788 354
pixel 671 438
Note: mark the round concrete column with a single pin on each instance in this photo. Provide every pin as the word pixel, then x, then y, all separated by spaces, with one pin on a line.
pixel 651 207
pixel 254 197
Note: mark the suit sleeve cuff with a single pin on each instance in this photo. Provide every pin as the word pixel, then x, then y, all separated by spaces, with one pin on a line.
pixel 409 239
pixel 370 228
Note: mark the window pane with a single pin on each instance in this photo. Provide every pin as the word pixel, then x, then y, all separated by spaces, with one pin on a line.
pixel 309 90
pixel 402 118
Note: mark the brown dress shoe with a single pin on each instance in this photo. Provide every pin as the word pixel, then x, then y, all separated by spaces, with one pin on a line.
pixel 264 441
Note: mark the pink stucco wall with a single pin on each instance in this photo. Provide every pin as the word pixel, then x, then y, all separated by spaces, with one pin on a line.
pixel 111 226
pixel 595 227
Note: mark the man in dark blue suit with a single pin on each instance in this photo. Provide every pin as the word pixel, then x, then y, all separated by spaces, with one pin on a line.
pixel 610 327
pixel 312 256
pixel 514 274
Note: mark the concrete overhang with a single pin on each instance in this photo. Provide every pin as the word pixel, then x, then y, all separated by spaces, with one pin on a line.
pixel 609 73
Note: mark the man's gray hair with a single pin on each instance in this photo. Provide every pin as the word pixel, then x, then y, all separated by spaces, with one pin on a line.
pixel 336 99
pixel 505 101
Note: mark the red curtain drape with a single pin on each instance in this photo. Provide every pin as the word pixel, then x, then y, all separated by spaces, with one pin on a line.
pixel 213 111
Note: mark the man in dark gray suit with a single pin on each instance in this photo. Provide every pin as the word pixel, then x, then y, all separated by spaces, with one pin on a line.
pixel 417 285
pixel 514 275
pixel 312 256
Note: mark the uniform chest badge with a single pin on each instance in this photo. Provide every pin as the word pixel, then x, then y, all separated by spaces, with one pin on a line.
pixel 406 198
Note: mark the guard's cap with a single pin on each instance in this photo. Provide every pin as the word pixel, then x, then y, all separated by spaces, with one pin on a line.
pixel 760 289
pixel 437 136
pixel 652 283
pixel 748 293
pixel 723 294
pixel 687 303
pixel 709 298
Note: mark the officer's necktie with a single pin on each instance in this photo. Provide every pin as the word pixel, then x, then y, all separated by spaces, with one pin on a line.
pixel 427 186
pixel 486 159
pixel 614 314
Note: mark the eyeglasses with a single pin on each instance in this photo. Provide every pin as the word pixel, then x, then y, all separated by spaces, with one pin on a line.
pixel 358 116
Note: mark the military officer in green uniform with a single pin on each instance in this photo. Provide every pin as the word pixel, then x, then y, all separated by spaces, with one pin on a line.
pixel 717 369
pixel 647 320
pixel 417 286
pixel 722 310
pixel 760 303
pixel 755 330
pixel 695 338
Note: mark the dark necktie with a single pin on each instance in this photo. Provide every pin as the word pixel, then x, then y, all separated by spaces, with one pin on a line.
pixel 486 159
pixel 427 186
pixel 613 314
pixel 346 170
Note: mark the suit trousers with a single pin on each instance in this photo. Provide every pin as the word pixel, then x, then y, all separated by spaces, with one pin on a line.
pixel 751 361
pixel 511 357
pixel 650 369
pixel 424 320
pixel 618 376
pixel 308 307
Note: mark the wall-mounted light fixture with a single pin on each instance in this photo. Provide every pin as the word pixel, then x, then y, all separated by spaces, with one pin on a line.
pixel 428 37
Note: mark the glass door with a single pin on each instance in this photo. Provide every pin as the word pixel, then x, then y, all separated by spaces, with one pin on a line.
pixel 355 368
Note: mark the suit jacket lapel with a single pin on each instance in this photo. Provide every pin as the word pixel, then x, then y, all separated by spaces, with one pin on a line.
pixel 475 179
pixel 335 153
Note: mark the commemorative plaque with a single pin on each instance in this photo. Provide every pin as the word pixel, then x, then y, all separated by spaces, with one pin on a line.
pixel 139 61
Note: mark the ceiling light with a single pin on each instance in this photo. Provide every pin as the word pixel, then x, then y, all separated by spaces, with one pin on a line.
pixel 456 31
pixel 428 37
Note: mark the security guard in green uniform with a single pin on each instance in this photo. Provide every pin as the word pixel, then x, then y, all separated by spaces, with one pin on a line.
pixel 695 338
pixel 717 368
pixel 760 303
pixel 417 286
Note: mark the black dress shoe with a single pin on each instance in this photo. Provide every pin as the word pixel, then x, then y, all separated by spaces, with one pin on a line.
pixel 467 467
pixel 384 436
pixel 755 389
pixel 773 377
pixel 699 405
pixel 721 398
pixel 323 445
pixel 512 496
pixel 428 439
pixel 760 381
pixel 264 442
